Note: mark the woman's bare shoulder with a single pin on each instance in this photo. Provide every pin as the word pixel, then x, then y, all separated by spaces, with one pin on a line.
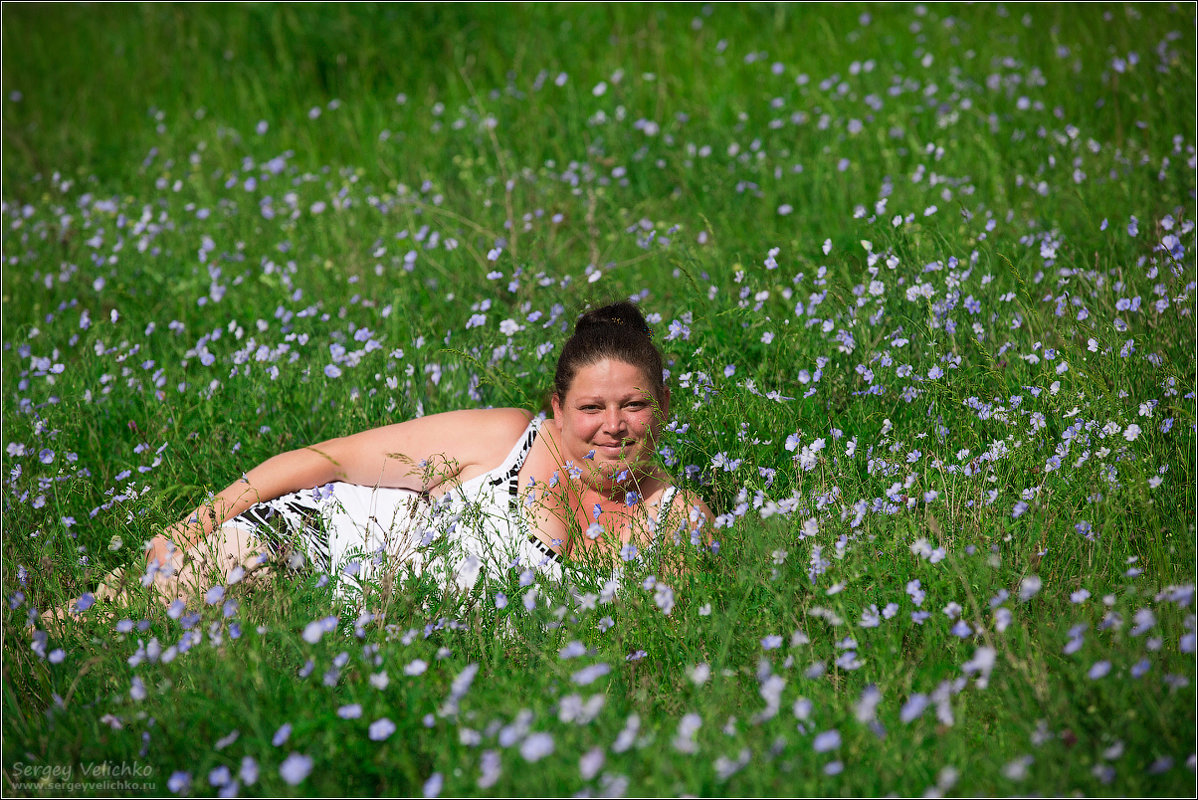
pixel 498 419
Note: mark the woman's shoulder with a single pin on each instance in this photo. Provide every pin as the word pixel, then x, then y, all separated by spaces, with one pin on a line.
pixel 499 421
pixel 512 417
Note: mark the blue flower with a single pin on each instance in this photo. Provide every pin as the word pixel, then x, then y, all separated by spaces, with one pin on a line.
pixel 282 734
pixel 295 768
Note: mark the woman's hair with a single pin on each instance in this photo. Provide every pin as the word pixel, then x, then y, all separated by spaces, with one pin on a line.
pixel 617 331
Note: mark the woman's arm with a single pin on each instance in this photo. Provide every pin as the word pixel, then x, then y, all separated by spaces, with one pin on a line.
pixel 418 454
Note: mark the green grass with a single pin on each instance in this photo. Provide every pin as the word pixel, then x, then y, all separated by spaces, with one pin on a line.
pixel 162 334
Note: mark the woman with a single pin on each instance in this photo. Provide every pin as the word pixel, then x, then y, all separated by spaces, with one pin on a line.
pixel 461 492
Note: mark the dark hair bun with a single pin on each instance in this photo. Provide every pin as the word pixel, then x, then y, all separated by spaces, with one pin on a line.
pixel 616 331
pixel 624 314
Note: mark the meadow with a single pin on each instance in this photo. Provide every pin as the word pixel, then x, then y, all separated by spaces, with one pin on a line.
pixel 924 276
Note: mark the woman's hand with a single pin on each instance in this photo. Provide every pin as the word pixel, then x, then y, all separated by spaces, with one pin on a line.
pixel 159 551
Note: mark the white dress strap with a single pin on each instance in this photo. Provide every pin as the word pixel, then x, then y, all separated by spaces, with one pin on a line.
pixel 509 471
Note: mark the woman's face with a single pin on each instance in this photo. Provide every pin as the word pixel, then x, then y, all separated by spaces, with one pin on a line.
pixel 609 420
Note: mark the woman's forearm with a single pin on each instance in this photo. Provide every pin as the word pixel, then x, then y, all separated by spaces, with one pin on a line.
pixel 286 472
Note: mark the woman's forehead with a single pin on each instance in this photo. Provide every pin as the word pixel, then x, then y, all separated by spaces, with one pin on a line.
pixel 610 374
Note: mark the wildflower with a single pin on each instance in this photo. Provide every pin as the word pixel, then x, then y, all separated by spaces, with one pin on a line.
pixel 627 734
pixel 913 708
pixel 1144 619
pixel 588 675
pixel 295 768
pixel 866 708
pixel 917 594
pixel 316 629
pixel 1016 770
pixel 684 740
pixel 664 598
pixel 981 663
pixel 590 763
pixel 220 776
pixel 249 771
pixel 572 650
pixel 848 660
pixel 282 734
pixel 828 740
pixel 536 746
pixel 381 729
pixel 432 787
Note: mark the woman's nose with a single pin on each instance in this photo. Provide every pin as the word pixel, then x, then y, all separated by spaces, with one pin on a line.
pixel 614 421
